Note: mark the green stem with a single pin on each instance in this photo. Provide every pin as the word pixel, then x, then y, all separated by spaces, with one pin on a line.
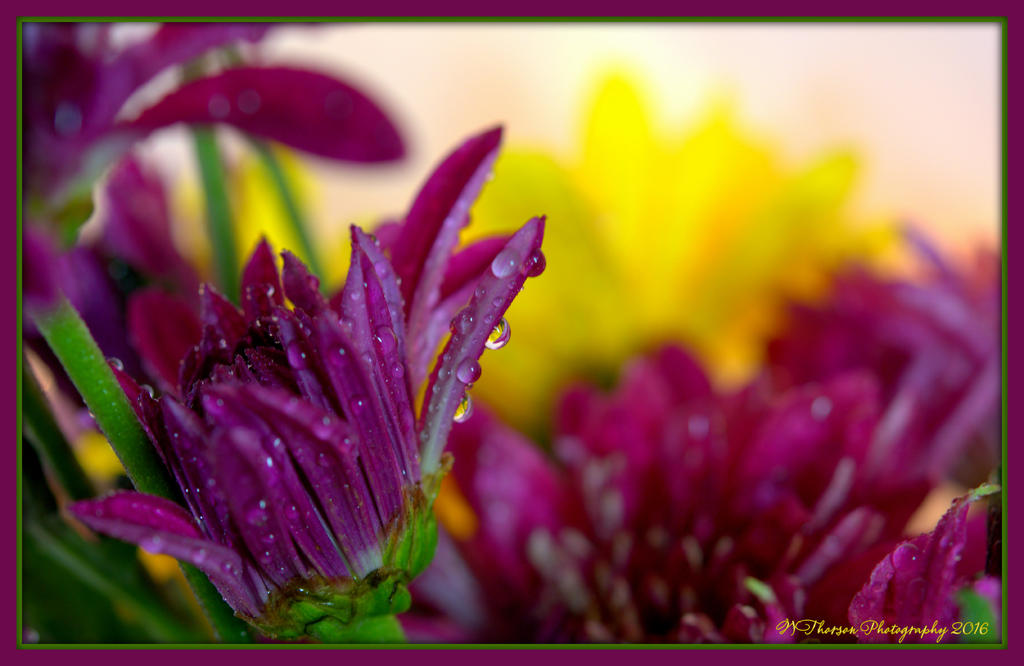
pixel 218 212
pixel 229 628
pixel 69 338
pixel 378 629
pixel 291 206
pixel 49 442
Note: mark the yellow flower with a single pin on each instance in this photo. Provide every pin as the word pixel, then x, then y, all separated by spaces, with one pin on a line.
pixel 695 238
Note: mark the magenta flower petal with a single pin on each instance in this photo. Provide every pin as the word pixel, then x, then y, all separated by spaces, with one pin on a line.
pixel 161 526
pixel 306 110
pixel 307 441
pixel 77 81
pixel 469 263
pixel 520 491
pixel 914 585
pixel 421 252
pixel 162 328
pixel 261 284
pixel 248 484
pixel 137 227
pixel 464 269
pixel 371 313
pixel 458 365
pixel 175 43
pixel 300 286
pixel 364 409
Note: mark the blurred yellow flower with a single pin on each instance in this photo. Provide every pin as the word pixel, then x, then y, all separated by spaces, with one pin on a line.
pixel 695 238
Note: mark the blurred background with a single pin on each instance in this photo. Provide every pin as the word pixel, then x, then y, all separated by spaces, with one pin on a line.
pixel 760 158
pixel 918 103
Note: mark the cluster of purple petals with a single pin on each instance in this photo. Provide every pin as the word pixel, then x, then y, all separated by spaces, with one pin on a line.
pixel 290 427
pixel 77 79
pixel 672 512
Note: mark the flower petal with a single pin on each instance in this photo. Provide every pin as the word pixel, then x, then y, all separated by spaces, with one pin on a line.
pixel 163 328
pixel 301 286
pixel 371 314
pixel 261 284
pixel 914 585
pixel 161 526
pixel 288 498
pixel 313 112
pixel 247 483
pixel 494 293
pixel 460 278
pixel 421 251
pixel 323 449
pixel 137 226
pixel 363 408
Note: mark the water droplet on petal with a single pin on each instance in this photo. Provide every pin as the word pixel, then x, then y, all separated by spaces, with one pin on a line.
pixel 537 263
pixel 504 263
pixel 462 321
pixel 499 335
pixel 116 363
pixel 386 340
pixel 397 371
pixel 199 556
pixel 149 389
pixel 464 410
pixel 468 371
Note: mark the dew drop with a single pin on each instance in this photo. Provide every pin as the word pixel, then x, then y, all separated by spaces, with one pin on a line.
pixel 504 263
pixel 468 371
pixel 537 263
pixel 462 321
pixel 292 512
pixel 499 335
pixel 149 389
pixel 397 371
pixel 464 410
pixel 199 556
pixel 116 363
pixel 386 340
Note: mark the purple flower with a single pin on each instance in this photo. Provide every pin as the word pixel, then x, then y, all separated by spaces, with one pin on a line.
pixel 671 512
pixel 307 474
pixel 916 585
pixel 934 347
pixel 77 83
